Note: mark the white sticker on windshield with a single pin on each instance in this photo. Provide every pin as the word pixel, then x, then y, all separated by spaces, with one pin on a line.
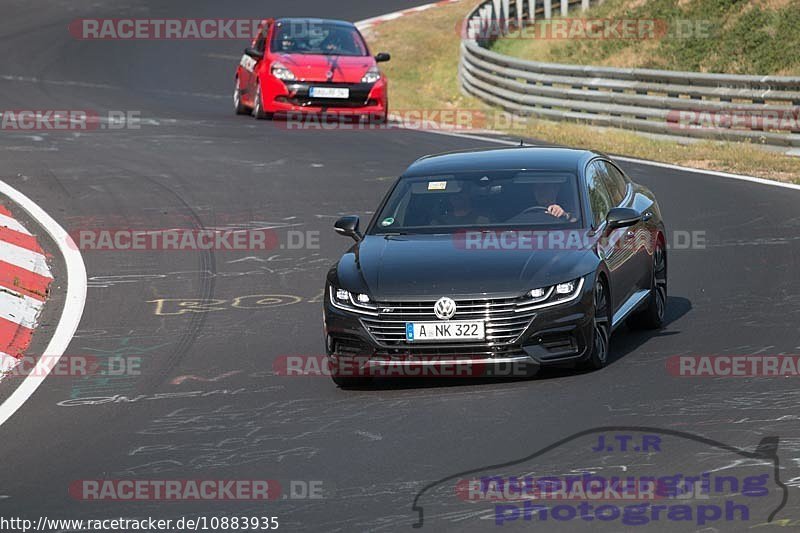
pixel 437 185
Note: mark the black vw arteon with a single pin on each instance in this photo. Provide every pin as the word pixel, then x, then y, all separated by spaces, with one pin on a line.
pixel 517 256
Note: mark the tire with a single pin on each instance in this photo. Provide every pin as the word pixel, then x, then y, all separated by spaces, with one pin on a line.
pixel 238 106
pixel 601 328
pixel 258 105
pixel 652 316
pixel 347 380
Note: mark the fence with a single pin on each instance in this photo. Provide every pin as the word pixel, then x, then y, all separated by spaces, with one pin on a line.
pixel 760 109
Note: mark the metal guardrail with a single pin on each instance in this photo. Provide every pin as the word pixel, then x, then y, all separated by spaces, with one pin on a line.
pixel 759 109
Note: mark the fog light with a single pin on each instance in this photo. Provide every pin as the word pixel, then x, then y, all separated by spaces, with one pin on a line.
pixel 363 298
pixel 565 288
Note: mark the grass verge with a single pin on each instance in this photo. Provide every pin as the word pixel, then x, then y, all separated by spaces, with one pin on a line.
pixel 423 76
pixel 734 36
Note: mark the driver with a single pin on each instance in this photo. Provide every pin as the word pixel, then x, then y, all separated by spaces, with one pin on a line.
pixel 546 195
pixel 287 44
pixel 334 42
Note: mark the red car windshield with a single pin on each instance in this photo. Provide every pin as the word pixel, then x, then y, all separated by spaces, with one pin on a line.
pixel 314 37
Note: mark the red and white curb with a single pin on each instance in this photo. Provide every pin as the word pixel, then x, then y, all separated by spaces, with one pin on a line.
pixel 374 21
pixel 24 284
pixel 74 299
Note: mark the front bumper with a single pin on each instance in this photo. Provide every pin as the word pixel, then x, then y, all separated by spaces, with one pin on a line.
pixel 294 97
pixel 555 336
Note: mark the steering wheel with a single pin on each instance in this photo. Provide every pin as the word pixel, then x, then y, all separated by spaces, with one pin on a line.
pixel 534 208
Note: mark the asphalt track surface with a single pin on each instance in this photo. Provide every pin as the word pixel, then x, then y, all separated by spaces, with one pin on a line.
pixel 194 164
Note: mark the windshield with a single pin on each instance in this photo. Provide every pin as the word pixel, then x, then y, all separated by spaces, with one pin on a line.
pixel 323 38
pixel 501 199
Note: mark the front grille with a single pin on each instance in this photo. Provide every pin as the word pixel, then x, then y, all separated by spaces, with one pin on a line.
pixel 299 95
pixel 505 320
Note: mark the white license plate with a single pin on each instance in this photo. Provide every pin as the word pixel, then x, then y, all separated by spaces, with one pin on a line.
pixel 444 331
pixel 330 92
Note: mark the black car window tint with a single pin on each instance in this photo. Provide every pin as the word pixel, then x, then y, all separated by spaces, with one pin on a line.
pixel 614 195
pixel 599 197
pixel 617 182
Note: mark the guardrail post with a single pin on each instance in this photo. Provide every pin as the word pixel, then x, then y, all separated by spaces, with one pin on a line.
pixel 531 10
pixel 486 15
pixel 506 15
pixel 584 5
pixel 564 7
pixel 520 13
pixel 548 9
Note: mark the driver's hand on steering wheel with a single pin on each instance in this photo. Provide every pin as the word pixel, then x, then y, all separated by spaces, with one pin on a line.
pixel 556 211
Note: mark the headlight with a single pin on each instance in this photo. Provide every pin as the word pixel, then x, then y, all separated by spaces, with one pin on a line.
pixel 280 71
pixel 372 75
pixel 347 301
pixel 540 295
pixel 566 288
pixel 342 295
pixel 552 295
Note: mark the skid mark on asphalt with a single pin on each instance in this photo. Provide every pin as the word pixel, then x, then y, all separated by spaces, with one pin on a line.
pixel 368 435
pixel 103 281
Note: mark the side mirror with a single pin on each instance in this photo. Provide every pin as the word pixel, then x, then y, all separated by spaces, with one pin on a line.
pixel 383 57
pixel 252 52
pixel 348 226
pixel 622 217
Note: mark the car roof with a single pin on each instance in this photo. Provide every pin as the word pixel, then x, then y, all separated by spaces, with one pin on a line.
pixel 309 20
pixel 516 158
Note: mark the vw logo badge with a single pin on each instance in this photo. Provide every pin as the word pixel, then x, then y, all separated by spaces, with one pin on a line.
pixel 444 308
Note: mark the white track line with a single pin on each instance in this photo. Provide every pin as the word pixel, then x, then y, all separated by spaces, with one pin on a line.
pixel 362 24
pixel 73 303
pixel 753 179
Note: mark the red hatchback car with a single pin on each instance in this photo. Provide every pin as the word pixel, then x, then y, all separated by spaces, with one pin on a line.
pixel 310 66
